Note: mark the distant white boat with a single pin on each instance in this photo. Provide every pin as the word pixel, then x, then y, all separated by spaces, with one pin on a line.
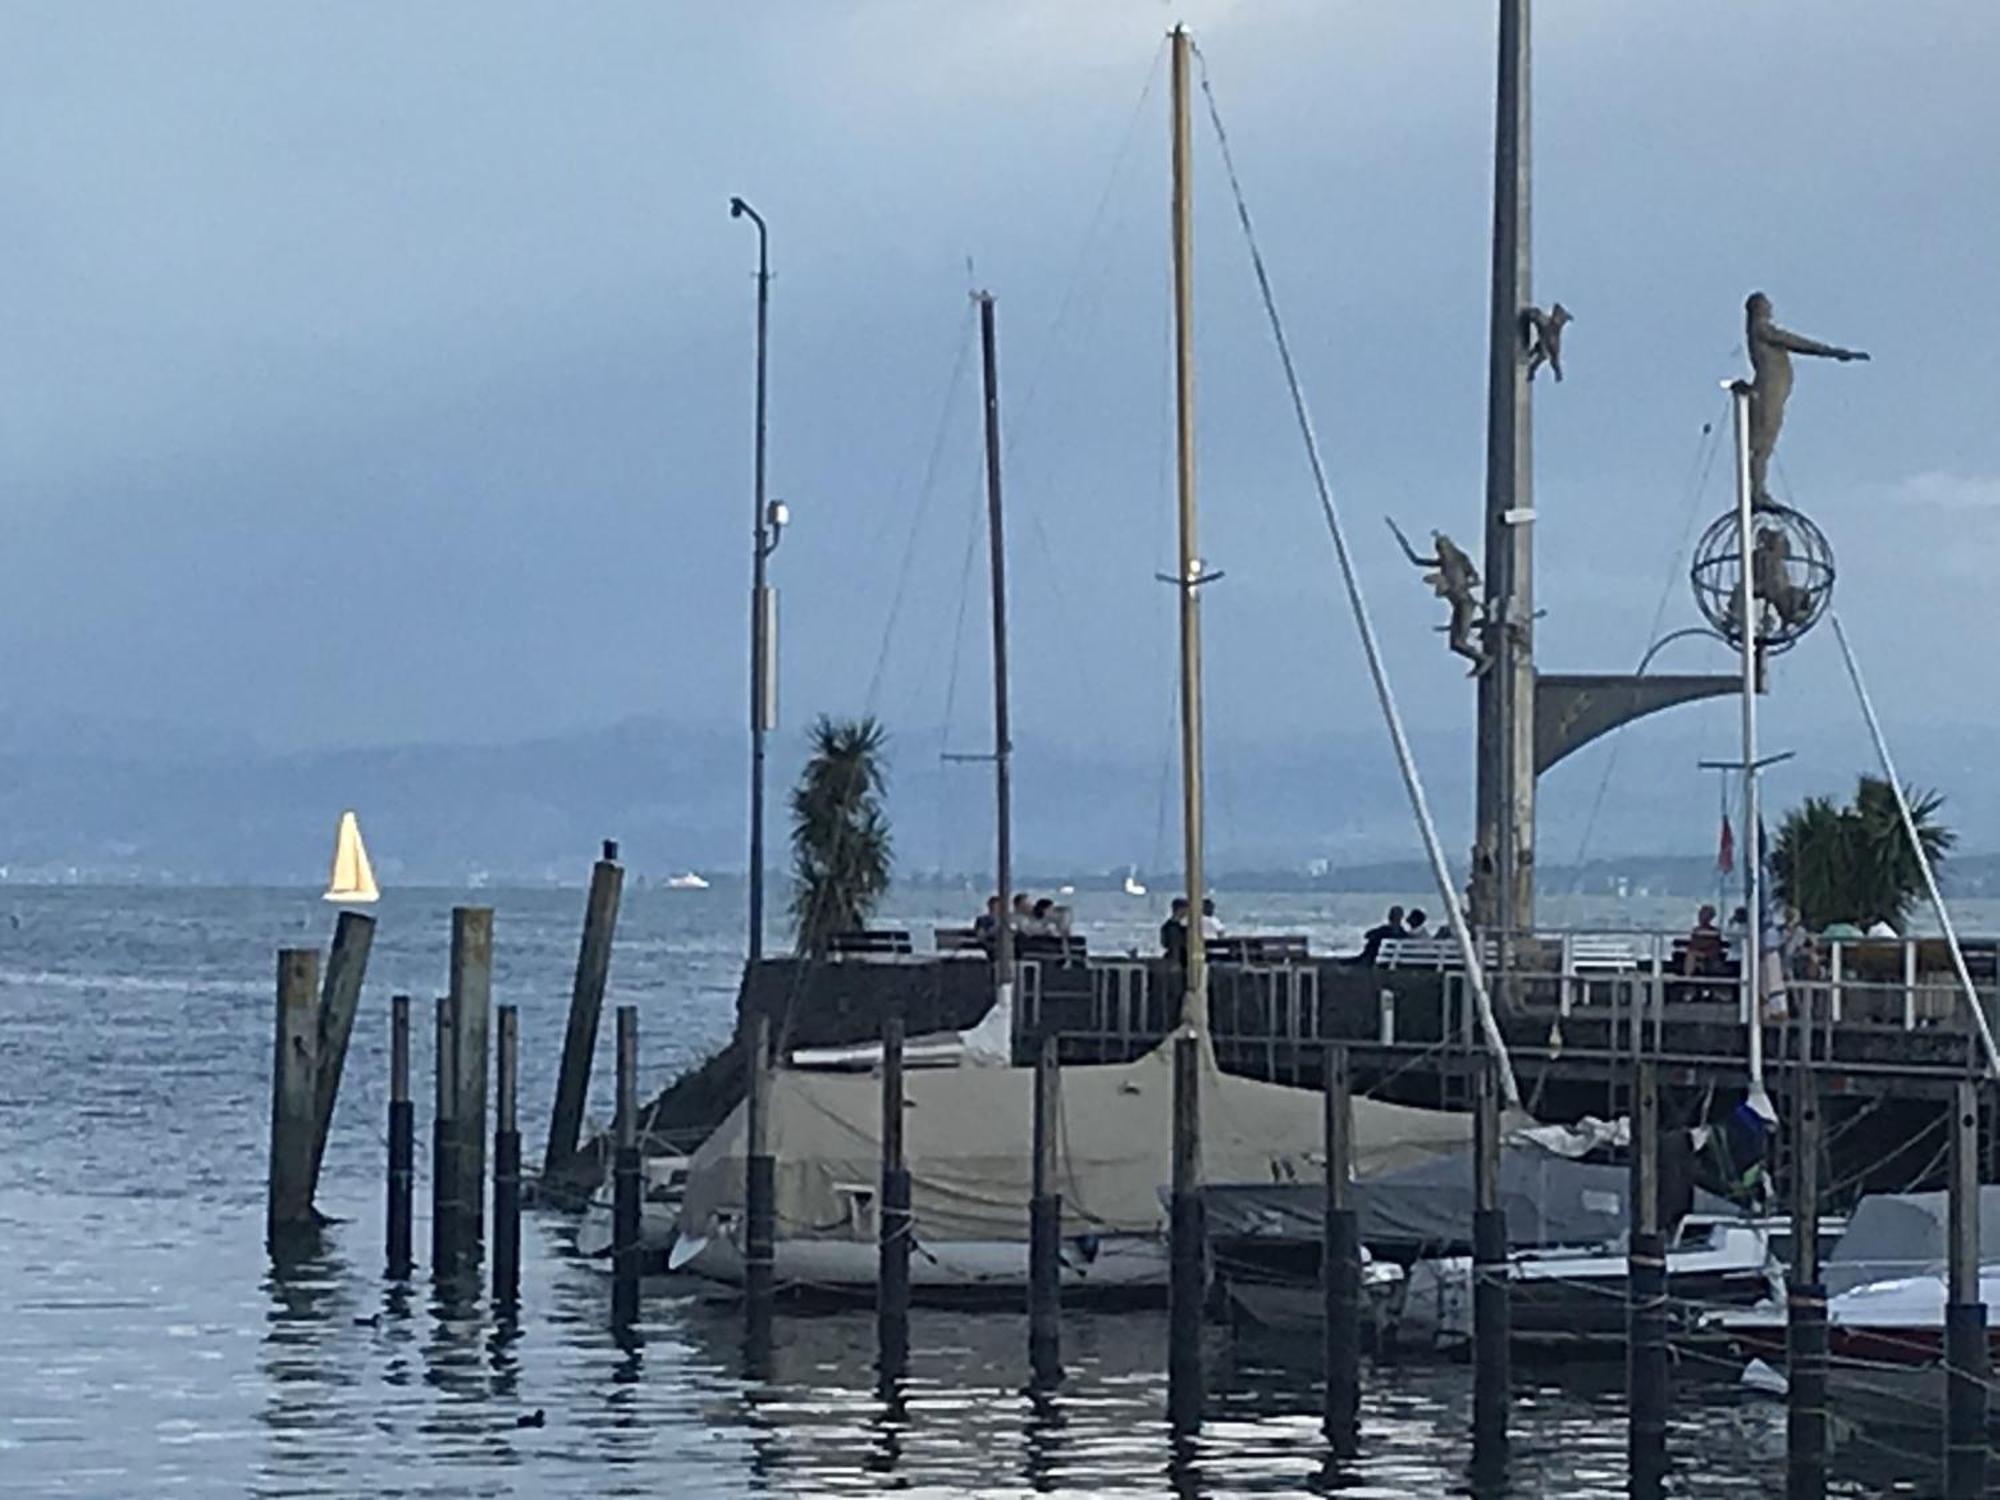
pixel 1134 886
pixel 686 882
pixel 352 881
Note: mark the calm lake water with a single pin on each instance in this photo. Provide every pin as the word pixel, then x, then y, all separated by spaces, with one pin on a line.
pixel 147 1348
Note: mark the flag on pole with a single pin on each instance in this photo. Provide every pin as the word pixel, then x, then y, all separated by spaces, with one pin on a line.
pixel 1725 857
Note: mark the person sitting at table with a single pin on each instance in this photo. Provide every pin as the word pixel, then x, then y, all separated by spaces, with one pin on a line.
pixel 1373 939
pixel 1703 954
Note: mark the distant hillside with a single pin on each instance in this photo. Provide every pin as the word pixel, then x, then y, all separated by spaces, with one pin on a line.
pixel 137 802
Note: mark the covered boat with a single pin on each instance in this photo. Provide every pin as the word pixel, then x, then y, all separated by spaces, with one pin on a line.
pixel 967 1139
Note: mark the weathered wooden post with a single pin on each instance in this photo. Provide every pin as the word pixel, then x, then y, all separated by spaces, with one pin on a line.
pixel 507 1161
pixel 1646 1295
pixel 760 1187
pixel 1965 1353
pixel 586 1004
pixel 1805 1304
pixel 294 1069
pixel 1491 1368
pixel 894 1224
pixel 1186 1285
pixel 626 1178
pixel 1045 1224
pixel 402 1139
pixel 445 1207
pixel 1340 1265
pixel 472 1002
pixel 340 998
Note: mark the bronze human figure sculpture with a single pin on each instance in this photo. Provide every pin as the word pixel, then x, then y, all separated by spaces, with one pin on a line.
pixel 1771 351
pixel 1453 578
pixel 1544 333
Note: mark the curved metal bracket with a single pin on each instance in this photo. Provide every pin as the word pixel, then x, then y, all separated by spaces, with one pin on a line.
pixel 1572 709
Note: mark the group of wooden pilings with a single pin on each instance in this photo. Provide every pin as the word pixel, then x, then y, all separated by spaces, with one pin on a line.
pixel 314 1023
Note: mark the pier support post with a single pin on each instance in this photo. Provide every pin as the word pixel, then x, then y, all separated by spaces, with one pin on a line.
pixel 445 1207
pixel 340 998
pixel 402 1140
pixel 472 1004
pixel 1964 1315
pixel 894 1223
pixel 1491 1368
pixel 1186 1285
pixel 507 1160
pixel 759 1193
pixel 294 1070
pixel 586 1005
pixel 1805 1304
pixel 626 1174
pixel 1340 1266
pixel 1646 1374
pixel 1045 1225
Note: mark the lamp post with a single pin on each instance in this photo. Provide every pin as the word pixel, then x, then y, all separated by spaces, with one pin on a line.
pixel 767 525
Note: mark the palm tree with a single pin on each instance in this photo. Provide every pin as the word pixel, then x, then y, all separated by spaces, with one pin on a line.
pixel 841 849
pixel 1854 863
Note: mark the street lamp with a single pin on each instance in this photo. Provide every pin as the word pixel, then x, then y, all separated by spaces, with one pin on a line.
pixel 767 523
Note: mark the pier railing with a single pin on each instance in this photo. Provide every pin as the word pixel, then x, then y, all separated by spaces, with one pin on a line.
pixel 1589 997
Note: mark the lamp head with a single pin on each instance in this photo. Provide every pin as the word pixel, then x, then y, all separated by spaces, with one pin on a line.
pixel 777 515
pixel 737 208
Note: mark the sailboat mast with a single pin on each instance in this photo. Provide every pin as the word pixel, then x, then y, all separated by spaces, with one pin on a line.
pixel 1194 1008
pixel 1003 745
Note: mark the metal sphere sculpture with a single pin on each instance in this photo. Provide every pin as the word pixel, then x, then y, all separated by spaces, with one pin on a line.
pixel 1791 567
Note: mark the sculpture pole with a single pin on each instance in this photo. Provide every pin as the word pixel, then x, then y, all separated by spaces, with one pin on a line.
pixel 1752 1007
pixel 1504 860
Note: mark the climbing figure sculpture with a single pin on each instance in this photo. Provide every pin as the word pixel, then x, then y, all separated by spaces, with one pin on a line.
pixel 1544 334
pixel 1771 350
pixel 1453 578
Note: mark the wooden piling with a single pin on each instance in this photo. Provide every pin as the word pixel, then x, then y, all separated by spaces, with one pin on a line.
pixel 1491 1366
pixel 1646 1371
pixel 472 1003
pixel 760 1183
pixel 1045 1224
pixel 507 1159
pixel 626 1178
pixel 445 1209
pixel 586 1004
pixel 340 999
pixel 402 1139
pixel 894 1222
pixel 1805 1304
pixel 1340 1265
pixel 294 1069
pixel 1965 1349
pixel 1186 1285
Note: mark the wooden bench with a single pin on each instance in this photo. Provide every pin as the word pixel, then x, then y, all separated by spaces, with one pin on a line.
pixel 887 943
pixel 958 940
pixel 1260 948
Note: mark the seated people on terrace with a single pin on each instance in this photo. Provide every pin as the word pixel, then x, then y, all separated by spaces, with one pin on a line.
pixel 1373 939
pixel 1703 954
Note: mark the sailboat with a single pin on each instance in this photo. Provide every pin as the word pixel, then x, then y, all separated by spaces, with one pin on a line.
pixel 1134 886
pixel 352 882
pixel 967 1129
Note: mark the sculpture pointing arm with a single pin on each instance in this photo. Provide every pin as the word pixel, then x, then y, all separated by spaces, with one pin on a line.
pixel 1408 551
pixel 1798 343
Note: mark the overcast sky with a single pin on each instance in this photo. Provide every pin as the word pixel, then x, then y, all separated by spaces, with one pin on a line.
pixel 375 373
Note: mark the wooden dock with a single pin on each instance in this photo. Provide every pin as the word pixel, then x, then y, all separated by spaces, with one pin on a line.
pixel 1885 1032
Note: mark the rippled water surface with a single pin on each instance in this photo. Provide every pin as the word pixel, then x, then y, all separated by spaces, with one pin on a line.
pixel 149 1347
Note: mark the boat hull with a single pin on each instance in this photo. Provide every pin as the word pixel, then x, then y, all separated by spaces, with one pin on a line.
pixel 1125 1267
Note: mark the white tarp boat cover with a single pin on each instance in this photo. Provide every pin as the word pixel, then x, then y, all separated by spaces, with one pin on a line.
pixel 1894 1235
pixel 967 1133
